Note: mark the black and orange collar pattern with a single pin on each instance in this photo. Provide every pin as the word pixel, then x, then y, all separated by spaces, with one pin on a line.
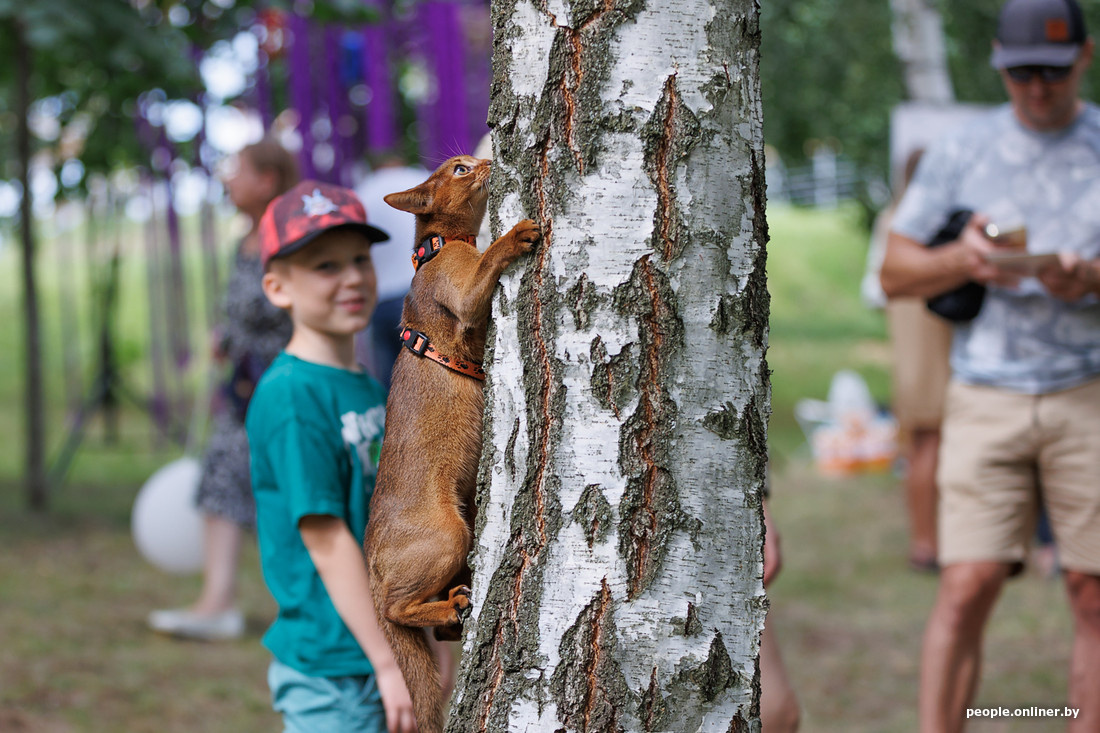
pixel 430 247
pixel 418 343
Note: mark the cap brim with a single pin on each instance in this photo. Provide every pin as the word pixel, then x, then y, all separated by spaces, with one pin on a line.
pixel 1051 54
pixel 374 234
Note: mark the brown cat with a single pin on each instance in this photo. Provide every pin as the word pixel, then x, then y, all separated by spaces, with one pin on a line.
pixel 422 512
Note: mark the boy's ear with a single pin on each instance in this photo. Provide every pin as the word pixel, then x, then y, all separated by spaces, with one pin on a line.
pixel 415 201
pixel 274 285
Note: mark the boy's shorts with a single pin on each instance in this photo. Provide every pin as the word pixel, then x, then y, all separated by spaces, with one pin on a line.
pixel 999 450
pixel 325 704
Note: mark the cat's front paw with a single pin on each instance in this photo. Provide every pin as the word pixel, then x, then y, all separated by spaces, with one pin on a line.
pixel 525 234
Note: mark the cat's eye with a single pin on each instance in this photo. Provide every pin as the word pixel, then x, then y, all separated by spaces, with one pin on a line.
pixel 461 170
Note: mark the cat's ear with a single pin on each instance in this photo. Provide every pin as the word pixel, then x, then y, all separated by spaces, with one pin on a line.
pixel 415 201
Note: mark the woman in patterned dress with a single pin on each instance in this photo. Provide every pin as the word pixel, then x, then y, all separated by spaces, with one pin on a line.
pixel 252 333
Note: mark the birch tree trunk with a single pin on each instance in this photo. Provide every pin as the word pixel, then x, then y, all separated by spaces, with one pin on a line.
pixel 919 45
pixel 618 567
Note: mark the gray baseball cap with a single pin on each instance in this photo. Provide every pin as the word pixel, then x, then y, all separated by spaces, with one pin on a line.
pixel 1038 33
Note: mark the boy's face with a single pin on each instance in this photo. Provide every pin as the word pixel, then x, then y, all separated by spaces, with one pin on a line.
pixel 329 286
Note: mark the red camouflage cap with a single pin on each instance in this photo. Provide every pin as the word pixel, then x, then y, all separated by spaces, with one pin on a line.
pixel 310 208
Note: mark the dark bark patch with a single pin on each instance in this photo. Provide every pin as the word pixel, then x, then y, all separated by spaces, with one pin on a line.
pixel 716 673
pixel 689 624
pixel 668 137
pixel 723 422
pixel 739 724
pixel 593 512
pixel 581 299
pixel 754 426
pixel 650 511
pixel 653 708
pixel 588 685
pixel 745 314
pixel 510 451
pixel 613 377
pixel 692 627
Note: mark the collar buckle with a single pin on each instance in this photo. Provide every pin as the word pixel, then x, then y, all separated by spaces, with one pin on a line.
pixel 415 341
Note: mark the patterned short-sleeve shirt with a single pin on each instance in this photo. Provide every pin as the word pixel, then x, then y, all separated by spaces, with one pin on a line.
pixel 1023 339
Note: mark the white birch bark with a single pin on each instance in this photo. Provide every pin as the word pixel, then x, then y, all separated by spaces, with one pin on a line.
pixel 919 45
pixel 618 565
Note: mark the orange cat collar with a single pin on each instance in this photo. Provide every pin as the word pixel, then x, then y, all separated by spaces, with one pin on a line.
pixel 418 343
pixel 430 247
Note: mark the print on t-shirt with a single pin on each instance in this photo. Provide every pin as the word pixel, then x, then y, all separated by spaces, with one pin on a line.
pixel 364 432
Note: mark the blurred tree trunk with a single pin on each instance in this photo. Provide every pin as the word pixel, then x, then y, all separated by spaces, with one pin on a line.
pixel 919 45
pixel 35 418
pixel 618 564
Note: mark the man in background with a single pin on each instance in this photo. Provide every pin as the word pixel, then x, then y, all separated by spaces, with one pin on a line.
pixel 1023 408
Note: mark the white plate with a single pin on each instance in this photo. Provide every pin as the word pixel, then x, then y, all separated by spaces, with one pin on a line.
pixel 1021 262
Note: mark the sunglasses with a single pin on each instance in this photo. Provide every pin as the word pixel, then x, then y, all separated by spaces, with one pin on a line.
pixel 1024 74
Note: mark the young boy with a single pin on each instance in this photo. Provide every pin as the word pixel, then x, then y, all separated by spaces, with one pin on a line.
pixel 315 430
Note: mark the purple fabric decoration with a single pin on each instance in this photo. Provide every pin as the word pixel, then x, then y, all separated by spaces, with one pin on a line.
pixel 263 91
pixel 446 117
pixel 159 401
pixel 207 237
pixel 337 99
pixel 177 292
pixel 381 116
pixel 479 78
pixel 301 89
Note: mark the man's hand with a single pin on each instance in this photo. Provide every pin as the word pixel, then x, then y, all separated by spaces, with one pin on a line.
pixel 1071 279
pixel 974 245
pixel 911 269
pixel 395 700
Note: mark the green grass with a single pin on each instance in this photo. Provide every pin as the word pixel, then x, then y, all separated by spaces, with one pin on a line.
pixel 818 323
pixel 75 654
pixel 849 614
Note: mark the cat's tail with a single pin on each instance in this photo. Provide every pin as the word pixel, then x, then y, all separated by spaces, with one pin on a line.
pixel 418 666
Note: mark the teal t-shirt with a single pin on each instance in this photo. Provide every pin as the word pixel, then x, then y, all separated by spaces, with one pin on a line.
pixel 315 434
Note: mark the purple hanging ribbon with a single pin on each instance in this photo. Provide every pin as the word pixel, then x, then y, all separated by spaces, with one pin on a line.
pixel 479 78
pixel 301 89
pixel 263 91
pixel 381 115
pixel 337 99
pixel 448 133
pixel 177 311
pixel 159 402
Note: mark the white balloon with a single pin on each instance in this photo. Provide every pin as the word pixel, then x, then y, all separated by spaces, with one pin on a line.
pixel 166 524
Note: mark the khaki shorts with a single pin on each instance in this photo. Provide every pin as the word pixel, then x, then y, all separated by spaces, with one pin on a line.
pixel 921 345
pixel 998 449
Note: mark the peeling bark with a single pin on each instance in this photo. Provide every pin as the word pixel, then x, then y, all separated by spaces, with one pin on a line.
pixel 618 563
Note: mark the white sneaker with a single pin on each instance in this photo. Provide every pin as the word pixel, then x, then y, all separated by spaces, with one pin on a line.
pixel 187 624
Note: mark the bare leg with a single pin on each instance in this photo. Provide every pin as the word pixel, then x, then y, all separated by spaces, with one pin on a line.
pixel 1084 677
pixel 779 711
pixel 222 551
pixel 951 654
pixel 921 496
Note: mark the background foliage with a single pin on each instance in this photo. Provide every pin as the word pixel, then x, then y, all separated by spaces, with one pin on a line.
pixel 829 73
